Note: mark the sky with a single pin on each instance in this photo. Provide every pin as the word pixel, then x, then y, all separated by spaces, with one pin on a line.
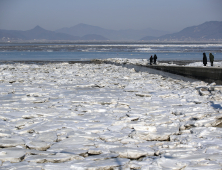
pixel 166 15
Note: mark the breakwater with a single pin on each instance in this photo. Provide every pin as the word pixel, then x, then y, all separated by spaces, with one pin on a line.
pixel 208 74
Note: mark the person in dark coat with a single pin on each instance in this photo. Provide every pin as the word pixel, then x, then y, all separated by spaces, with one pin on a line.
pixel 154 59
pixel 151 60
pixel 211 57
pixel 204 59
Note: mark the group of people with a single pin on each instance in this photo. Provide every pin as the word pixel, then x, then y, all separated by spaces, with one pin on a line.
pixel 153 59
pixel 211 57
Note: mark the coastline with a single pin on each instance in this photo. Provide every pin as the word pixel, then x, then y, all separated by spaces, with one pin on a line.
pixel 177 62
pixel 177 67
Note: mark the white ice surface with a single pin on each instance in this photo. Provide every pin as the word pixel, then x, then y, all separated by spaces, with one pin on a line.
pixel 88 116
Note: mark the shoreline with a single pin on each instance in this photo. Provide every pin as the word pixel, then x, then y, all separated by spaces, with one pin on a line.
pixel 178 69
pixel 177 62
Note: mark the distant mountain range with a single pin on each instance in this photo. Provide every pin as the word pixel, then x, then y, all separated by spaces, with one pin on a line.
pixel 211 30
pixel 39 33
pixel 82 32
pixel 84 29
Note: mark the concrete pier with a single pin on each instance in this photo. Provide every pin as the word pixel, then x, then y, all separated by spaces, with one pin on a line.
pixel 208 74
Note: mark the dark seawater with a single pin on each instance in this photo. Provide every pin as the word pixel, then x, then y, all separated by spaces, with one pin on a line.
pixel 89 51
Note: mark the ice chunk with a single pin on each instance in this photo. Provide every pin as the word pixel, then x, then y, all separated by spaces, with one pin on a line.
pixel 57 158
pixel 11 142
pixel 47 137
pixel 94 151
pixel 101 157
pixel 12 154
pixel 72 143
pixel 38 145
pixel 132 153
pixel 171 163
pixel 143 94
pixel 161 133
pixel 103 164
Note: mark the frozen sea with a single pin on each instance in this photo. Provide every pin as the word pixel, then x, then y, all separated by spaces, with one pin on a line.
pixel 64 115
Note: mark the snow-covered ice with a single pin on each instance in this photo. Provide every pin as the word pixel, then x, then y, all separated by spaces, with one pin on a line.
pixel 103 116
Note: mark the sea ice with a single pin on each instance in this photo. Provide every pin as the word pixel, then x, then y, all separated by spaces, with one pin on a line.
pixel 104 116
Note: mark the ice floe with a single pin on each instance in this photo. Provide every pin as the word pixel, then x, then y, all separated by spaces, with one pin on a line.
pixel 104 116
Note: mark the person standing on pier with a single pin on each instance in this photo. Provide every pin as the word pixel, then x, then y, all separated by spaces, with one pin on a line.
pixel 151 60
pixel 154 59
pixel 204 59
pixel 211 57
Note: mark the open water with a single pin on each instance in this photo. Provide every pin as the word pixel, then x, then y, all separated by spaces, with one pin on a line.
pixel 87 51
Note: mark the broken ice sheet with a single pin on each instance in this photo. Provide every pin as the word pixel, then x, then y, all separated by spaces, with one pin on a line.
pixel 61 115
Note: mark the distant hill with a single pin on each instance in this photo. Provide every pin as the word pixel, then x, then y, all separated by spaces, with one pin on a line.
pixel 84 29
pixel 39 33
pixel 211 30
pixel 208 31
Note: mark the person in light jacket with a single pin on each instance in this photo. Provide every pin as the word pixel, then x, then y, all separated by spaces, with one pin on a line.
pixel 211 57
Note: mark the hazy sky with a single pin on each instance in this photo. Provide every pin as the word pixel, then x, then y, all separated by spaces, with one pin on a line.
pixel 167 15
